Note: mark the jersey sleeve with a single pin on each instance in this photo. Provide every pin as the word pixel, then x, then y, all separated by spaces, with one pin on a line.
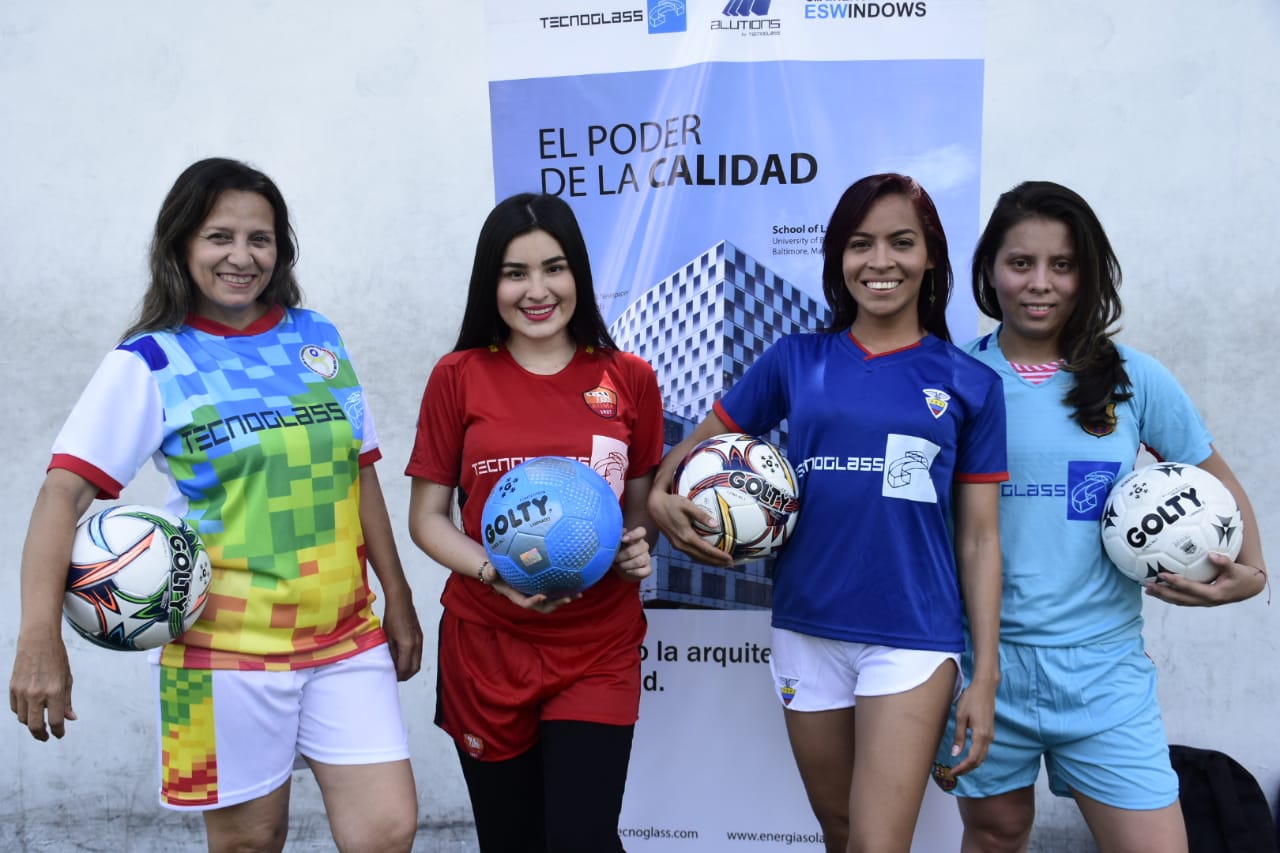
pixel 115 426
pixel 437 445
pixel 760 400
pixel 983 454
pixel 1169 423
pixel 370 451
pixel 645 451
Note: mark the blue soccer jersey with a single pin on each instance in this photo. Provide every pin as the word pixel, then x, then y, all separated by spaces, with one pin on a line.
pixel 1059 587
pixel 876 441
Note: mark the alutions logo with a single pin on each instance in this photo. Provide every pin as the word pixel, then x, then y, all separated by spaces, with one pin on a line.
pixel 747 7
pixel 747 18
pixel 668 16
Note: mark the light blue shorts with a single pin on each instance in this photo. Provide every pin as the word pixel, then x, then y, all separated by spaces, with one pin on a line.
pixel 1089 711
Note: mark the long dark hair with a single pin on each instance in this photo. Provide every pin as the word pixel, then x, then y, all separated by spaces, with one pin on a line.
pixel 171 295
pixel 1085 342
pixel 512 217
pixel 845 219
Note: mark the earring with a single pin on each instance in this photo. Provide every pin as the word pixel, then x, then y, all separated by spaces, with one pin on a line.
pixel 932 289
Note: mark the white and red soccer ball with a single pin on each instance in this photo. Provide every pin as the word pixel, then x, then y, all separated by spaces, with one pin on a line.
pixel 747 485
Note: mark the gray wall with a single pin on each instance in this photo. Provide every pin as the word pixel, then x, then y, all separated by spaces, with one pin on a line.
pixel 373 119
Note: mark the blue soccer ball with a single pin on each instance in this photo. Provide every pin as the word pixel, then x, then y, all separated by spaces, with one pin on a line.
pixel 551 525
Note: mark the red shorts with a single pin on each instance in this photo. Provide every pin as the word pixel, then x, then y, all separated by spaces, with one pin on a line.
pixel 494 689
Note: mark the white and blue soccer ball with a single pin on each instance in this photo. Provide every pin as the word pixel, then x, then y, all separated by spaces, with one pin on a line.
pixel 139 578
pixel 748 487
pixel 1168 517
pixel 551 525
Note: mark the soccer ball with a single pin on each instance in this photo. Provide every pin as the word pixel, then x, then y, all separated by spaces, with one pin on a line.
pixel 748 486
pixel 551 525
pixel 1168 517
pixel 139 578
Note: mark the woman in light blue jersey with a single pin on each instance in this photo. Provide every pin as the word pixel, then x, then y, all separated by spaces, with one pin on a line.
pixel 1077 689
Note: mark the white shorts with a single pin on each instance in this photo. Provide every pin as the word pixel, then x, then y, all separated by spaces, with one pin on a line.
pixel 818 674
pixel 227 736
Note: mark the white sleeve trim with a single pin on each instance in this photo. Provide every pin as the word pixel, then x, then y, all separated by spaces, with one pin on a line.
pixel 118 422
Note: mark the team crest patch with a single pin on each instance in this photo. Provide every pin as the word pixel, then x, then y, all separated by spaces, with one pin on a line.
pixel 942 776
pixel 319 361
pixel 787 689
pixel 473 744
pixel 601 400
pixel 937 401
pixel 1107 428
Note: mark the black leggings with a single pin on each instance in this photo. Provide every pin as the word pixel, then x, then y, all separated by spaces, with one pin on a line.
pixel 562 796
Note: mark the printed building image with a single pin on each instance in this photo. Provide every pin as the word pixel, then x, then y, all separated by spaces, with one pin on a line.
pixel 700 328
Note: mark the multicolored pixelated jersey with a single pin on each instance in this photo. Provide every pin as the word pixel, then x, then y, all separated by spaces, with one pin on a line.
pixel 261 433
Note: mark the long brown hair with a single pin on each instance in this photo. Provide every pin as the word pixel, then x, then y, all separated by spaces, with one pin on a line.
pixel 1085 342
pixel 171 295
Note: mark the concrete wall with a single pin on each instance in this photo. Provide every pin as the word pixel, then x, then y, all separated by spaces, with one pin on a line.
pixel 373 119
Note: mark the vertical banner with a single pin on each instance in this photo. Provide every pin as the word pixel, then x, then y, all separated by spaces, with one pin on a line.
pixel 703 146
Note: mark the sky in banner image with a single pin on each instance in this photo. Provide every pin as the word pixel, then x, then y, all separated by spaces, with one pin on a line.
pixel 659 165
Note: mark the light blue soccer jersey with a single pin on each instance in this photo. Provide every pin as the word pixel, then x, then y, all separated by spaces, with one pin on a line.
pixel 1059 587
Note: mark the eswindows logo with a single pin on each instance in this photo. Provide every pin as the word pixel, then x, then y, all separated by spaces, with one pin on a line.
pixel 748 18
pixel 823 10
pixel 668 16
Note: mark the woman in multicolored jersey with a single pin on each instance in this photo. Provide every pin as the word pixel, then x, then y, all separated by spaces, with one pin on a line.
pixel 251 408
pixel 893 433
pixel 539 694
pixel 1077 689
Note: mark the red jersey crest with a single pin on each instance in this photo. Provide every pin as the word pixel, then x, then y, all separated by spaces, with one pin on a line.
pixel 474 744
pixel 601 400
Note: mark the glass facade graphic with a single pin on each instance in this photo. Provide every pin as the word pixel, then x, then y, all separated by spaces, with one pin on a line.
pixel 700 328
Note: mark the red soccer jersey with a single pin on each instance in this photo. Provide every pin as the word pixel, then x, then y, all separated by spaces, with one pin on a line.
pixel 483 414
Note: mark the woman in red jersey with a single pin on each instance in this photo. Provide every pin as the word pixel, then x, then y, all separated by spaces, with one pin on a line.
pixel 539 694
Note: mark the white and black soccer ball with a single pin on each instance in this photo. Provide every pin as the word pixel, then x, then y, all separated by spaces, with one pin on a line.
pixel 1168 517
pixel 139 578
pixel 747 485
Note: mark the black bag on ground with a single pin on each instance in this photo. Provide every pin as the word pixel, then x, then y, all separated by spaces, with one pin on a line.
pixel 1222 804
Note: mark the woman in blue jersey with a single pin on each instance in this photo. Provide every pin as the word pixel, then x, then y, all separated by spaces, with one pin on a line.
pixel 893 433
pixel 1077 689
pixel 288 658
